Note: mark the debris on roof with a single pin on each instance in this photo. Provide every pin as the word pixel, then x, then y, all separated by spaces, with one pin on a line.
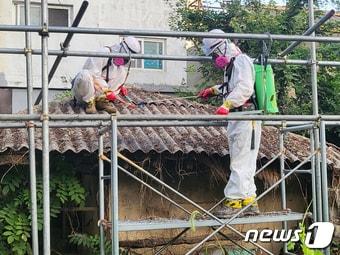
pixel 208 140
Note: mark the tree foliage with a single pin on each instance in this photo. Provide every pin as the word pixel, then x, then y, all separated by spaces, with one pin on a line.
pixel 293 82
pixel 15 203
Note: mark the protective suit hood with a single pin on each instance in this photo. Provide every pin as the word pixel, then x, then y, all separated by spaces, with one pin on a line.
pixel 220 46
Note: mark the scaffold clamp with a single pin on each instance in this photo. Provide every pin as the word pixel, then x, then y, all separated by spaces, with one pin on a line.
pixel 44 30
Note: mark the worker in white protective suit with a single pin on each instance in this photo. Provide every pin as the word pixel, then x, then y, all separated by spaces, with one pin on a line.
pixel 101 80
pixel 243 136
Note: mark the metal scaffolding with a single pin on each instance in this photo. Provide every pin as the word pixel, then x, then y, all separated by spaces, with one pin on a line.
pixel 315 124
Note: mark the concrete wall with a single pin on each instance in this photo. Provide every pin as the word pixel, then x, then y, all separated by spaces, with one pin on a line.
pixel 130 14
pixel 19 102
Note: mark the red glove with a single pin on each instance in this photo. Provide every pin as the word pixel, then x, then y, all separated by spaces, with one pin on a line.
pixel 123 91
pixel 224 108
pixel 205 93
pixel 110 96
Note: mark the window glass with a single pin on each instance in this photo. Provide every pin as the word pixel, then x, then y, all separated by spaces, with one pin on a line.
pixel 153 48
pixel 137 63
pixel 35 15
pixel 56 16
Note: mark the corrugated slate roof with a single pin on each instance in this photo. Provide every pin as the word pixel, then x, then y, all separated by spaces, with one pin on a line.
pixel 209 140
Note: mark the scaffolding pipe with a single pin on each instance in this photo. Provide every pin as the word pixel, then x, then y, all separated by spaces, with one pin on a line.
pixel 309 31
pixel 312 166
pixel 164 117
pixel 235 243
pixel 324 178
pixel 315 105
pixel 172 124
pixel 332 123
pixel 13 125
pixel 32 166
pixel 165 197
pixel 318 176
pixel 101 194
pixel 246 207
pixel 98 124
pixel 198 117
pixel 114 187
pixel 297 128
pixel 64 46
pixel 153 189
pixel 302 171
pixel 188 200
pixel 268 163
pixel 176 34
pixel 171 241
pixel 313 61
pixel 19 117
pixel 45 130
pixel 68 53
pixel 283 183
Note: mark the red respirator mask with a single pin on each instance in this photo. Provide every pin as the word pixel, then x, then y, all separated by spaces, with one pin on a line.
pixel 120 61
pixel 220 59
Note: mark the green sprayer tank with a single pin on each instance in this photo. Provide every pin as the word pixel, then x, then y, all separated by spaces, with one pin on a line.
pixel 265 89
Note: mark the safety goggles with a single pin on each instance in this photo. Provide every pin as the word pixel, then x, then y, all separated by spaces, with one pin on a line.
pixel 217 51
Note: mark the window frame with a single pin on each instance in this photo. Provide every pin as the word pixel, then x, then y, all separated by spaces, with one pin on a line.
pixel 153 40
pixel 19 4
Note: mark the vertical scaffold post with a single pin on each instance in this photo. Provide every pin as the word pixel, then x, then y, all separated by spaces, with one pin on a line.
pixel 33 181
pixel 312 167
pixel 283 183
pixel 101 194
pixel 114 186
pixel 315 111
pixel 317 176
pixel 45 129
pixel 324 186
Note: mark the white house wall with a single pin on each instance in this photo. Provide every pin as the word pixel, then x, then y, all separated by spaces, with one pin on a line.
pixel 142 14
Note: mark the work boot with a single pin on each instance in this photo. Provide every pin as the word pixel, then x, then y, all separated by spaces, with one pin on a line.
pixel 228 209
pixel 90 107
pixel 253 209
pixel 105 105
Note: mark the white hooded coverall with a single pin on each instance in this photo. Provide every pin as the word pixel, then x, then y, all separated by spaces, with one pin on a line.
pixel 83 87
pixel 242 158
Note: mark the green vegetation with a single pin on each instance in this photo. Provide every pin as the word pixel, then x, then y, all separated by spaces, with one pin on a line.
pixel 92 243
pixel 15 203
pixel 292 81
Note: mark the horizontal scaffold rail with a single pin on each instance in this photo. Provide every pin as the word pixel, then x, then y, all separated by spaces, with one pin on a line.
pixel 111 31
pixel 177 223
pixel 106 124
pixel 68 53
pixel 164 117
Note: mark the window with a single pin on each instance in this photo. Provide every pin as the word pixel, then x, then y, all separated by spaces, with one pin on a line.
pixel 152 47
pixel 58 15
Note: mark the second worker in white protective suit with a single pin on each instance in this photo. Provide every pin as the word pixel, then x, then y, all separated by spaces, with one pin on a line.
pixel 243 136
pixel 101 80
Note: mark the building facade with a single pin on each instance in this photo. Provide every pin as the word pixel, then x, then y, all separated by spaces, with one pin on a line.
pixel 120 14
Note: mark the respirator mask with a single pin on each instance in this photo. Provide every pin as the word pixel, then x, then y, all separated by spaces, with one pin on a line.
pixel 220 59
pixel 121 61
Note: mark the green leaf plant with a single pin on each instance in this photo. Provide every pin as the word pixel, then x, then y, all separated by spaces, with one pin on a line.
pixel 15 204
